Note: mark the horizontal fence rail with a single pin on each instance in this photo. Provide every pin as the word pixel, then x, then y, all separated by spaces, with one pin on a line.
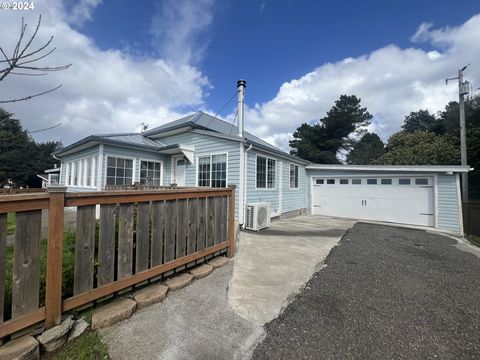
pixel 123 238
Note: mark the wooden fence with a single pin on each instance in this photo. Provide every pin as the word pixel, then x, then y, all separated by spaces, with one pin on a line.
pixel 139 236
pixel 471 218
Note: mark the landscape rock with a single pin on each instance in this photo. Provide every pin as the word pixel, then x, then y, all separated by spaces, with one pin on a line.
pixel 55 337
pixel 112 313
pixel 218 261
pixel 24 348
pixel 150 295
pixel 78 328
pixel 201 271
pixel 179 281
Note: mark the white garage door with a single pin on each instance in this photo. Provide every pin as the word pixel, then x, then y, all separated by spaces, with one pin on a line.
pixel 407 200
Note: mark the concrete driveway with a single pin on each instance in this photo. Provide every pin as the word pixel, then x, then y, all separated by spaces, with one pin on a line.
pixel 222 315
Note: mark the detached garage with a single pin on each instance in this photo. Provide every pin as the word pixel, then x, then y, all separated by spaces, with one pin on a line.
pixel 417 195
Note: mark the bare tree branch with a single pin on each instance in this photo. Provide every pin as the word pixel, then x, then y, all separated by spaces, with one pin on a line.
pixel 30 97
pixel 24 61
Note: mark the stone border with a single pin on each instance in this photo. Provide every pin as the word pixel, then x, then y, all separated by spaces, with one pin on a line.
pixel 29 347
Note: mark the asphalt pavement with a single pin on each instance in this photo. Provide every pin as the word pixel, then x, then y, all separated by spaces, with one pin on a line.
pixel 386 293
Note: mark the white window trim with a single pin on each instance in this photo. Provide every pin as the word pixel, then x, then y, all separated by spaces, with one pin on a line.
pixel 298 177
pixel 210 155
pixel 134 165
pixel 154 161
pixel 266 188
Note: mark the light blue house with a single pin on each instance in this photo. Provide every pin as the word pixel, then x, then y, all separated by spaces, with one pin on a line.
pixel 201 150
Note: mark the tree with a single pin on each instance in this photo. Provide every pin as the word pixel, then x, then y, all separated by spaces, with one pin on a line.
pixel 369 148
pixel 21 158
pixel 422 120
pixel 321 142
pixel 420 148
pixel 23 60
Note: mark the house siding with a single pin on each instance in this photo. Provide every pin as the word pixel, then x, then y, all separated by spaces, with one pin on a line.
pixel 448 211
pixel 207 145
pixel 293 199
pixel 261 195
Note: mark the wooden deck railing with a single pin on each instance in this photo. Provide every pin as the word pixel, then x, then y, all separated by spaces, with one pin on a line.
pixel 139 236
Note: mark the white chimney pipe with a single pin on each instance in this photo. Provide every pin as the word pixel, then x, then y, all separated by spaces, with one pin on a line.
pixel 241 85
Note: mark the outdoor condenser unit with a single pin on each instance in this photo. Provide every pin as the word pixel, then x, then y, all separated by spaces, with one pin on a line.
pixel 258 216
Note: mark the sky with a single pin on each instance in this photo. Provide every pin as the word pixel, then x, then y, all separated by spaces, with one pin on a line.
pixel 154 61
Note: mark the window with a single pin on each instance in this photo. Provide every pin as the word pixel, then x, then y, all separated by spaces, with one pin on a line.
pixel 150 172
pixel 356 181
pixel 319 181
pixel 219 170
pixel 343 181
pixel 53 179
pixel 81 172
pixel 403 181
pixel 293 176
pixel 372 181
pixel 330 181
pixel 386 181
pixel 421 181
pixel 266 170
pixel 212 170
pixel 119 171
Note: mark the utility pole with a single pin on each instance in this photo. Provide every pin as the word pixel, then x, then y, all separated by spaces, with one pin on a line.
pixel 462 90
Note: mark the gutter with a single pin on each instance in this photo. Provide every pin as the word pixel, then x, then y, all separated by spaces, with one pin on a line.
pixel 244 200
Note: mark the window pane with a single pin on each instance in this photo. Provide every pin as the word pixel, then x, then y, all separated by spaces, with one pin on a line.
pixel 271 174
pixel 372 181
pixel 421 181
pixel 261 172
pixel 319 181
pixel 293 176
pixel 204 171
pixel 343 181
pixel 403 181
pixel 356 181
pixel 386 181
pixel 219 170
pixel 111 162
pixel 330 181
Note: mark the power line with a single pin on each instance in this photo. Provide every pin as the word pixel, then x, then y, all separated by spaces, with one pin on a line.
pixel 49 128
pixel 233 122
pixel 223 107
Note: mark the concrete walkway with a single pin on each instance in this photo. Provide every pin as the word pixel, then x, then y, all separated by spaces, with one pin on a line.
pixel 273 265
pixel 222 315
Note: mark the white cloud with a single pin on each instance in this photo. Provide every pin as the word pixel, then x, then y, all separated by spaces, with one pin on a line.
pixel 391 82
pixel 179 29
pixel 104 90
pixel 82 11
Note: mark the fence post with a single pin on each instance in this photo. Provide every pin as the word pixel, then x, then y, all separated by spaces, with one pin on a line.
pixel 231 222
pixel 53 294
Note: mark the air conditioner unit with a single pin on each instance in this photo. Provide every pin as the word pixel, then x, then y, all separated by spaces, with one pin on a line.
pixel 258 216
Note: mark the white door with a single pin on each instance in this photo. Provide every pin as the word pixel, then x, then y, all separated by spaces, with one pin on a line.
pixel 406 200
pixel 178 175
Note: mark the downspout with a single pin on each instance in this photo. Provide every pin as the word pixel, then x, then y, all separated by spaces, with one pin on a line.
pixel 245 185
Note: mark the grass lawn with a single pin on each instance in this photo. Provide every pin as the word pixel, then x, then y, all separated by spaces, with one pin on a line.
pixel 89 346
pixel 10 223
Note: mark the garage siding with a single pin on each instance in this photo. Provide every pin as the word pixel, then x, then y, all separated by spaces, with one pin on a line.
pixel 448 212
